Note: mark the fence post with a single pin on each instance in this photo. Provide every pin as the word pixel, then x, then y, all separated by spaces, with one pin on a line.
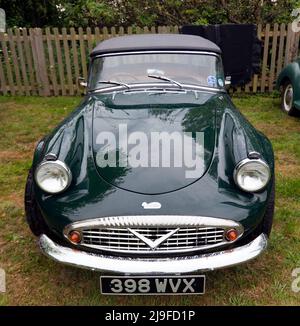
pixel 265 59
pixel 287 53
pixel 52 69
pixel 22 61
pixel 40 61
pixel 296 49
pixel 255 77
pixel 29 61
pixel 15 61
pixel 82 53
pixel 273 57
pixel 294 46
pixel 3 89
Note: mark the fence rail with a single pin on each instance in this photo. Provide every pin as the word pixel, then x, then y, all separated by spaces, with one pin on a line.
pixel 49 61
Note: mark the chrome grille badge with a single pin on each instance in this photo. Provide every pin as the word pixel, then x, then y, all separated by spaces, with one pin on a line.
pixel 150 243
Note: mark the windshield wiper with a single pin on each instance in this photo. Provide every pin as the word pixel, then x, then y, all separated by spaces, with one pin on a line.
pixel 167 79
pixel 113 82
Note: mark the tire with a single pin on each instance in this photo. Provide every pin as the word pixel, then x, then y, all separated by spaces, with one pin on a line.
pixel 269 213
pixel 33 215
pixel 287 105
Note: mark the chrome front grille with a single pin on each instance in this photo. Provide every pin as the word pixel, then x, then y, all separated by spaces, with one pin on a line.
pixel 122 240
pixel 151 234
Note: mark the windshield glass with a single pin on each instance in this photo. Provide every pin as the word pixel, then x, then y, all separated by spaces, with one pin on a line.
pixel 196 69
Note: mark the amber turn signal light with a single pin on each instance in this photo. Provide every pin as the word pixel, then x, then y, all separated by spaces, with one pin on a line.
pixel 231 235
pixel 74 237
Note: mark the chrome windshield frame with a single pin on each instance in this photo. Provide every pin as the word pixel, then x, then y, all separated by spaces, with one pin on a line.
pixel 155 85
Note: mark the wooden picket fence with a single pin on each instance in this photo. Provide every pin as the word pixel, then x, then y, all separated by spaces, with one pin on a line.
pixel 49 61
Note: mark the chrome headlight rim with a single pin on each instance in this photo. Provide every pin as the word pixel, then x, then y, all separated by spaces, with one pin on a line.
pixel 245 162
pixel 62 165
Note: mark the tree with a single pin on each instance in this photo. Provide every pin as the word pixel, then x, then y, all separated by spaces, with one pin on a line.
pixel 259 11
pixel 100 13
pixel 31 13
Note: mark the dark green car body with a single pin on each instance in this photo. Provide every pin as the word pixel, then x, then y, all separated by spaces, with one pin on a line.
pixel 90 195
pixel 124 202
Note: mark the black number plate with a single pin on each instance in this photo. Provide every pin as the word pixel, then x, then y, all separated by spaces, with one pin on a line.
pixel 152 285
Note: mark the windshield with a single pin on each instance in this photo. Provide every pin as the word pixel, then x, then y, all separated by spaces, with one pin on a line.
pixel 196 69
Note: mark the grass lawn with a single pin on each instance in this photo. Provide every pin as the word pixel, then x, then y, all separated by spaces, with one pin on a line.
pixel 35 279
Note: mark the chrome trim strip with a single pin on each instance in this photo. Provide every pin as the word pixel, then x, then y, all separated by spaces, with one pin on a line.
pixel 156 52
pixel 178 265
pixel 153 221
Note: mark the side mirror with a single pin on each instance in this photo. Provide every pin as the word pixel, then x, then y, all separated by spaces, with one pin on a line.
pixel 82 82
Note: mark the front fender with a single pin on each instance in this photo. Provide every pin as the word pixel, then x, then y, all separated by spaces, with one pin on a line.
pixel 68 141
pixel 236 137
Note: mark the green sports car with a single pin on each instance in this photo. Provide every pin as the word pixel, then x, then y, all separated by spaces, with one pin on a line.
pixel 156 172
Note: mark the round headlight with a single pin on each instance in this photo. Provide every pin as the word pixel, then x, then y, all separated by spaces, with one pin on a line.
pixel 252 175
pixel 53 176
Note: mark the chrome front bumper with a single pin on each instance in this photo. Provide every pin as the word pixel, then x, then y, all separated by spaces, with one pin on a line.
pixel 139 266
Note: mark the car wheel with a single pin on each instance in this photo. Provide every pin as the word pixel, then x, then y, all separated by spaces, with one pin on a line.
pixel 287 99
pixel 269 214
pixel 33 215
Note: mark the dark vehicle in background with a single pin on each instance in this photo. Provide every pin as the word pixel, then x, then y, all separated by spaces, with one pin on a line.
pixel 288 82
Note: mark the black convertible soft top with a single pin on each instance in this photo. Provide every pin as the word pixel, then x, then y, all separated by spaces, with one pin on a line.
pixel 152 42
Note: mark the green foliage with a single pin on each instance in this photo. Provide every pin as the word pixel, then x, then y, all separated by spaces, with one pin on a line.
pixel 89 13
pixel 34 13
pixel 259 11
pixel 31 13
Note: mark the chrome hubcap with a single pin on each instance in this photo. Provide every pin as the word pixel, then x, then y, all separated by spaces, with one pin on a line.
pixel 288 98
